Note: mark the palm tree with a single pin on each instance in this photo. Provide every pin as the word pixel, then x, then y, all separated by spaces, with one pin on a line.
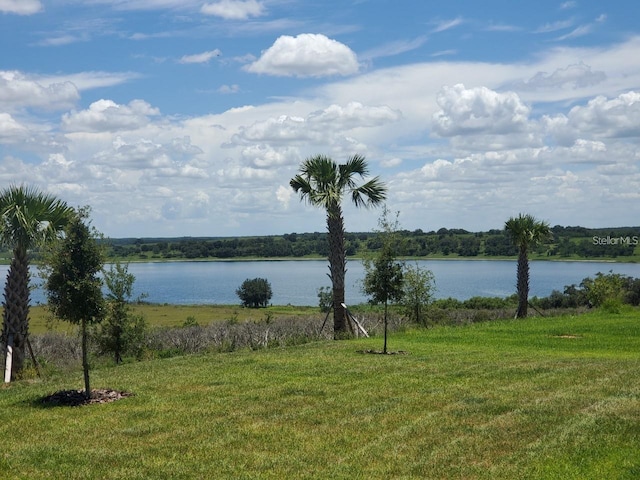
pixel 28 218
pixel 525 232
pixel 322 183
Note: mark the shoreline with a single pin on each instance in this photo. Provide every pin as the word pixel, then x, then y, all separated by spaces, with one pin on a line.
pixel 631 260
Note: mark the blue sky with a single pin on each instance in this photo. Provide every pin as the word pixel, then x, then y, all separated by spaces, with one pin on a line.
pixel 189 117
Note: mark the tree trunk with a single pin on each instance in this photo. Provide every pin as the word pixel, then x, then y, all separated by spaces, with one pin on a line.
pixel 15 317
pixel 85 361
pixel 337 268
pixel 384 349
pixel 523 282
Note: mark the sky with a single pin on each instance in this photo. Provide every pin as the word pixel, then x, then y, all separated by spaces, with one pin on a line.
pixel 175 118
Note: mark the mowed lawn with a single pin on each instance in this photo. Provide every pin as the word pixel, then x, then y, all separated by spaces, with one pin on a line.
pixel 552 398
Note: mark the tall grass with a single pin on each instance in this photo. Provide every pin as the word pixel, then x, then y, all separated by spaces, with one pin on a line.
pixel 541 399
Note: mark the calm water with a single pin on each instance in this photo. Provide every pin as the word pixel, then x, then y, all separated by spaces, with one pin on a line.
pixel 297 282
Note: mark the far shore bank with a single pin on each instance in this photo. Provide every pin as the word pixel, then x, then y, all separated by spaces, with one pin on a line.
pixel 633 259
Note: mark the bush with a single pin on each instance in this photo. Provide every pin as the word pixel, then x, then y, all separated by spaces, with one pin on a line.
pixel 255 293
pixel 604 288
pixel 325 299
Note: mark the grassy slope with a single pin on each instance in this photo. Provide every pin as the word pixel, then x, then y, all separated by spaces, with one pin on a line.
pixel 544 398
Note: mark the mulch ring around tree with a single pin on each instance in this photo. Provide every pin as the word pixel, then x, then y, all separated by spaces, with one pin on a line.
pixel 76 398
pixel 380 352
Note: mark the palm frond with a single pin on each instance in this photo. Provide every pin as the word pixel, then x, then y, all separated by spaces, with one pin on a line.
pixel 29 217
pixel 371 194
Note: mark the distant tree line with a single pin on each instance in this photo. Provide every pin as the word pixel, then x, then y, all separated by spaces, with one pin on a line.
pixel 566 242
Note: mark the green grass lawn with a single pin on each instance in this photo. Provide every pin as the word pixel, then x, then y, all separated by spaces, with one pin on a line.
pixel 552 398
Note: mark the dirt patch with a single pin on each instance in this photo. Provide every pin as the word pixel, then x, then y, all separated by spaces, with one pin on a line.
pixel 76 398
pixel 567 336
pixel 380 352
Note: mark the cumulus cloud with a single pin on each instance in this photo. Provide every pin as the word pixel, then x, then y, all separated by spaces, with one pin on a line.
pixel 600 118
pixel 20 91
pixel 354 115
pixel 191 206
pixel 10 129
pixel 265 156
pixel 234 9
pixel 283 195
pixel 21 7
pixel 140 154
pixel 108 116
pixel 307 55
pixel 618 117
pixel 478 111
pixel 589 151
pixel 203 57
pixel 391 162
pixel 327 126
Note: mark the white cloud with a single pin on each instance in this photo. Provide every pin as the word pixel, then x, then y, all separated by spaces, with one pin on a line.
pixel 149 4
pixel 107 116
pixel 602 117
pixel 59 41
pixel 447 25
pixel 284 194
pixel 391 162
pixel 228 89
pixel 478 111
pixel 17 90
pixel 203 57
pixel 265 156
pixel 331 128
pixel 234 9
pixel 394 48
pixel 21 7
pixel 307 55
pixel 554 27
pixel 353 115
pixel 194 205
pixel 89 80
pixel 10 129
pixel 580 31
pixel 573 76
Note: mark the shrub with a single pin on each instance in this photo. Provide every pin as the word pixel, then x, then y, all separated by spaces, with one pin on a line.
pixel 325 299
pixel 255 292
pixel 604 288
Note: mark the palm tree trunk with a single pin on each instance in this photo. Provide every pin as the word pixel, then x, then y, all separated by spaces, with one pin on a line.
pixel 523 282
pixel 337 269
pixel 15 316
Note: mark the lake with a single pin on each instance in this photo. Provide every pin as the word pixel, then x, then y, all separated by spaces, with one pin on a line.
pixel 296 282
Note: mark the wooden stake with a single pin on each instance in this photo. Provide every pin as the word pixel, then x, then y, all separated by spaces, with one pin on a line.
pixel 8 364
